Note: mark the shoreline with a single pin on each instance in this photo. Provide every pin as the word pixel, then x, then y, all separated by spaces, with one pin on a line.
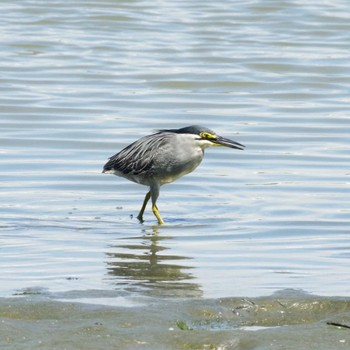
pixel 286 319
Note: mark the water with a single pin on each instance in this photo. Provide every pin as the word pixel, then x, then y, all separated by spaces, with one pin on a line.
pixel 80 80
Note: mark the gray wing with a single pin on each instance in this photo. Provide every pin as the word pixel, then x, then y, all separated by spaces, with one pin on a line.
pixel 137 158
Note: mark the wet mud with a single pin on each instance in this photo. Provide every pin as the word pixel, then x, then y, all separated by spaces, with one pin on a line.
pixel 285 320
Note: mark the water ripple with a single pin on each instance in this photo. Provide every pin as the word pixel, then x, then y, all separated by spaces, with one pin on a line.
pixel 82 80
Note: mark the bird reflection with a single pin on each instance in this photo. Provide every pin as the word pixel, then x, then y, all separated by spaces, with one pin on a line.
pixel 144 265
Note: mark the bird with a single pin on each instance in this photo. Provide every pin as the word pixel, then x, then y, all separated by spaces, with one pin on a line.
pixel 163 157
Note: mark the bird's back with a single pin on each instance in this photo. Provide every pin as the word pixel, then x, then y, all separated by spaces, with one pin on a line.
pixel 135 162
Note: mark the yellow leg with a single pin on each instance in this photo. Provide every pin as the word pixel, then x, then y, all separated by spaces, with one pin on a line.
pixel 147 197
pixel 157 215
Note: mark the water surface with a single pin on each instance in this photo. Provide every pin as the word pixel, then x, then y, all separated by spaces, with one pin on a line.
pixel 81 80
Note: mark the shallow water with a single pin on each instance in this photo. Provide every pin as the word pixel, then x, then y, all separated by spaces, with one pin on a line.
pixel 80 80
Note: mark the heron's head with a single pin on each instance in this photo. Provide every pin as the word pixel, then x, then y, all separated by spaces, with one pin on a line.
pixel 207 137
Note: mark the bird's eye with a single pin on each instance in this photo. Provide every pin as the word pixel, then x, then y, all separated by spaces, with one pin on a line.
pixel 207 135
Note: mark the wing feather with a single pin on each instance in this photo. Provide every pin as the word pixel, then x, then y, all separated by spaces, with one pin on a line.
pixel 138 157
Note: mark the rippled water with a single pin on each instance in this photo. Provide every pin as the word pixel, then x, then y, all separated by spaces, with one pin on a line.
pixel 80 80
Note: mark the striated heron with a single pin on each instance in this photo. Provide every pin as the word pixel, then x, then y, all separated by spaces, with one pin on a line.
pixel 163 157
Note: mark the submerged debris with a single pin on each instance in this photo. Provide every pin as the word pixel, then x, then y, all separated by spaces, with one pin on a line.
pixel 338 324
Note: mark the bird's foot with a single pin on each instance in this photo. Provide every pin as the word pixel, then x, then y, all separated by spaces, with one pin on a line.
pixel 140 218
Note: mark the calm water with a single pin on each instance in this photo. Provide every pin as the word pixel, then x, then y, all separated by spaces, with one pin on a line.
pixel 81 79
